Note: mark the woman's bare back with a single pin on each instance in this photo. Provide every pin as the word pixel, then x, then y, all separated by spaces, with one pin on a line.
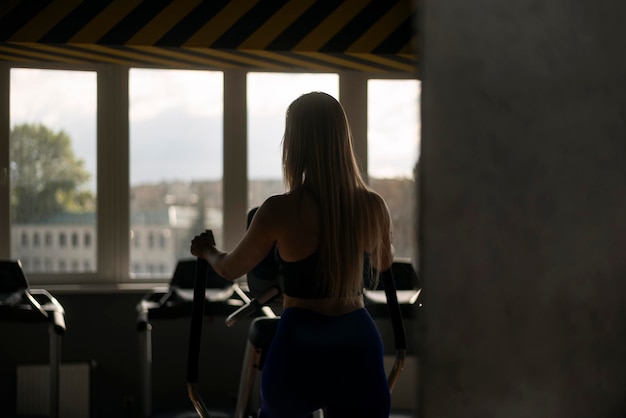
pixel 298 225
pixel 298 233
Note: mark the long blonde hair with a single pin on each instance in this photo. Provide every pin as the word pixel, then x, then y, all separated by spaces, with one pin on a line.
pixel 318 153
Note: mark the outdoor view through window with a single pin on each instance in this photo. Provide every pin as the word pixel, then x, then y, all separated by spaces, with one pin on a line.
pixel 269 95
pixel 393 135
pixel 176 167
pixel 52 151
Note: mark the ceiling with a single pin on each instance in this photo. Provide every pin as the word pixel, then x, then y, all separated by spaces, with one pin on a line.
pixel 375 36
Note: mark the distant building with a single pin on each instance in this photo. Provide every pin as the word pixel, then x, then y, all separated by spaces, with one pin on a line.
pixel 67 243
pixel 164 219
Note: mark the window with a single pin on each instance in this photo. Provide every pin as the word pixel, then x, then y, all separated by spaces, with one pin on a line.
pixel 268 96
pixel 176 161
pixel 52 155
pixel 170 185
pixel 393 145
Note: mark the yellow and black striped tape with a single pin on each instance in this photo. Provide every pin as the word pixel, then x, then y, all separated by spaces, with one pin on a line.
pixel 319 35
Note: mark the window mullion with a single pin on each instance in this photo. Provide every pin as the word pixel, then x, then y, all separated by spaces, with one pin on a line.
pixel 113 174
pixel 353 98
pixel 235 157
pixel 5 128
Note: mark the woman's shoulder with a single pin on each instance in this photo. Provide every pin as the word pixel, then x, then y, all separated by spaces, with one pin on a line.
pixel 269 213
pixel 278 204
pixel 272 203
pixel 285 212
pixel 279 199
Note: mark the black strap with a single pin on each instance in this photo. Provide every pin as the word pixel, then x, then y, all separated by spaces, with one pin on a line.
pixel 197 314
pixel 393 305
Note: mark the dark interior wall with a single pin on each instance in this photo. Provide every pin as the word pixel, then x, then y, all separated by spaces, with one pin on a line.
pixel 101 328
pixel 523 205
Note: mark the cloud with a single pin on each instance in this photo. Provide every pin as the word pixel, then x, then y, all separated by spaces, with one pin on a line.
pixel 393 127
pixel 174 145
pixel 153 92
pixel 176 119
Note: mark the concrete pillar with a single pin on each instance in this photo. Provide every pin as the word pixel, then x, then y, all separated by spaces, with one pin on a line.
pixel 523 208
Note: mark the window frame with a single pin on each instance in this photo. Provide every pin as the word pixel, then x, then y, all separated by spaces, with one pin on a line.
pixel 112 239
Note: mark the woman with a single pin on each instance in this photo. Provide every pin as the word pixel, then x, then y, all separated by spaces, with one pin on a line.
pixel 329 232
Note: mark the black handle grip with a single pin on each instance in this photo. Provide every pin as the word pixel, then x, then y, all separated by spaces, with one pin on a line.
pixel 197 314
pixel 393 305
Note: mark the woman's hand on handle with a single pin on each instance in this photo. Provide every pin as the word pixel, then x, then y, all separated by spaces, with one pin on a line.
pixel 201 245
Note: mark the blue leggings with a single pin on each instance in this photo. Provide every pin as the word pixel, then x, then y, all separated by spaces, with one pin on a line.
pixel 332 362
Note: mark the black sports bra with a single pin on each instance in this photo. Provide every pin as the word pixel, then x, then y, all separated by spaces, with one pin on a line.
pixel 300 278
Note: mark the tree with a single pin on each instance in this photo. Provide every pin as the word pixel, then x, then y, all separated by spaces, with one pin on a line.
pixel 46 177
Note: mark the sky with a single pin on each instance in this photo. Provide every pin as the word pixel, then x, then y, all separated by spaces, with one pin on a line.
pixel 176 119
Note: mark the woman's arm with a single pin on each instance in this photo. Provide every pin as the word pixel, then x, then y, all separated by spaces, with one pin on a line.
pixel 256 243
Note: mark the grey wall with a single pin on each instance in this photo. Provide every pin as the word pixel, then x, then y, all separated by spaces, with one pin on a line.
pixel 523 180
